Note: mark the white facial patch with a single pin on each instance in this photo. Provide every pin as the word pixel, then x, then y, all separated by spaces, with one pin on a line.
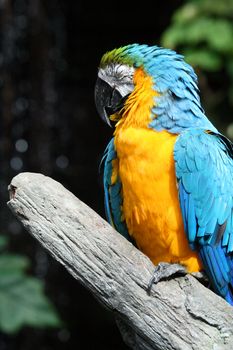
pixel 119 76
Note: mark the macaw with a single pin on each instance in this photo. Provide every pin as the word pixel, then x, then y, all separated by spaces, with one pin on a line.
pixel 168 172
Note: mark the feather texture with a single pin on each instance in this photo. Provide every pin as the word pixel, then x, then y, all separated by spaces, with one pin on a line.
pixel 207 208
pixel 112 192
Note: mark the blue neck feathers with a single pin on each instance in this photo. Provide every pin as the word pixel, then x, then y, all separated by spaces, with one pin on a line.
pixel 178 107
pixel 178 113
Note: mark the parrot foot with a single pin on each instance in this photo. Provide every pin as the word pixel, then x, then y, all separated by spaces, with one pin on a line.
pixel 165 271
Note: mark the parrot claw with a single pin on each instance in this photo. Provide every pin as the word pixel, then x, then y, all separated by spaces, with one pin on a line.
pixel 164 271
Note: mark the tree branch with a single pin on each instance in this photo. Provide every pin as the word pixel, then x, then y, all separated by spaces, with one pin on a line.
pixel 179 313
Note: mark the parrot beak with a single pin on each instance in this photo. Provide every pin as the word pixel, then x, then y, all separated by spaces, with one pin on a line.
pixel 108 100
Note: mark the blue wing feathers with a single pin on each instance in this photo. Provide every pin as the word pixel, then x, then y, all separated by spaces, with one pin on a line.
pixel 204 170
pixel 230 243
pixel 199 162
pixel 192 221
pixel 229 229
pixel 183 198
pixel 191 165
pixel 216 273
pixel 220 258
pixel 107 207
pixel 112 193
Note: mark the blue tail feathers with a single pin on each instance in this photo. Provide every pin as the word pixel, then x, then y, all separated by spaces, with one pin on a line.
pixel 219 267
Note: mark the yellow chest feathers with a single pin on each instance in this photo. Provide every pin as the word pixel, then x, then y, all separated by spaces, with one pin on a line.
pixel 150 196
pixel 146 169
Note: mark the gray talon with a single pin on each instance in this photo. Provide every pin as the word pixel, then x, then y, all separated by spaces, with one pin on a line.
pixel 164 271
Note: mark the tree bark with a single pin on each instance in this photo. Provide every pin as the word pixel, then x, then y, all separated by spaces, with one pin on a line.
pixel 178 314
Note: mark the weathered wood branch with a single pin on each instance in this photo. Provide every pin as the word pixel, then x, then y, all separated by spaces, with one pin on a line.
pixel 179 313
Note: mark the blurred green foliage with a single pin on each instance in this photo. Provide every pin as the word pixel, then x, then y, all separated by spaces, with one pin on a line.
pixel 202 30
pixel 22 298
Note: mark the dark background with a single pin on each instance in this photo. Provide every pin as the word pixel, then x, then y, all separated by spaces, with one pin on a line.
pixel 49 54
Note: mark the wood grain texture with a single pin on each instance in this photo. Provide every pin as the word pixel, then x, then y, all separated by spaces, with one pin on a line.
pixel 179 313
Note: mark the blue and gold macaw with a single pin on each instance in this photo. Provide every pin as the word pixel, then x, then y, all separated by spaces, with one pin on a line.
pixel 168 172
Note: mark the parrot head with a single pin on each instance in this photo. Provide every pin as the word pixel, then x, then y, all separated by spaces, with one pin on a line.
pixel 149 85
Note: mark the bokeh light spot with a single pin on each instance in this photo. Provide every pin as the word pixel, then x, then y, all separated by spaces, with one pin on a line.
pixel 16 163
pixel 62 162
pixel 21 145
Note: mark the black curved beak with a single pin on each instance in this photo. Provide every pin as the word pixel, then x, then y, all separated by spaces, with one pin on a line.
pixel 108 100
